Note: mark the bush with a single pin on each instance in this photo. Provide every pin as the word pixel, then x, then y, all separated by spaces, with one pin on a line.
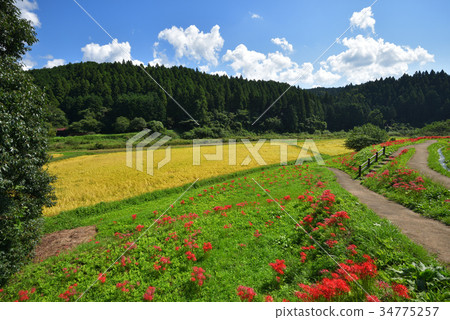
pixel 437 128
pixel 138 124
pixel 364 136
pixel 121 125
pixel 24 184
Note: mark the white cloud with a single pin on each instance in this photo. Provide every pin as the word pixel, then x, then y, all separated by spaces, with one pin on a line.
pixel 323 78
pixel 111 52
pixel 363 19
pixel 159 57
pixel 47 57
pixel 367 59
pixel 26 7
pixel 28 62
pixel 283 43
pixel 255 16
pixel 273 66
pixel 55 63
pixel 203 68
pixel 193 44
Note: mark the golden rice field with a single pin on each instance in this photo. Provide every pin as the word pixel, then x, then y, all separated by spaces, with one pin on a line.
pixel 87 180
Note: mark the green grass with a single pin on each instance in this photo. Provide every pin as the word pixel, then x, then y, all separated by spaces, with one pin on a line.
pixel 237 257
pixel 433 156
pixel 398 183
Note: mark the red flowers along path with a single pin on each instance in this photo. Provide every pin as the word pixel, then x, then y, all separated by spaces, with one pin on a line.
pixel 236 246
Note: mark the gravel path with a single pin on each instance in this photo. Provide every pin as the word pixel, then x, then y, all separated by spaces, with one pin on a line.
pixel 431 234
pixel 419 162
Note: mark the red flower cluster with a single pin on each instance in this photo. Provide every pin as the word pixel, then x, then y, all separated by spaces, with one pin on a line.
pixel 23 294
pixel 161 264
pixel 207 246
pixel 123 286
pixel 102 277
pixel 134 216
pixel 246 293
pixel 71 291
pixel 352 248
pixel 303 257
pixel 400 290
pixel 268 299
pixel 372 298
pixel 148 295
pixel 198 275
pixel 327 288
pixel 278 266
pixel 191 256
pixel 139 227
pixel 257 234
pixel 362 270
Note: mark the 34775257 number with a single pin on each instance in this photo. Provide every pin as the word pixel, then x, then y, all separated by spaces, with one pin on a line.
pixel 409 311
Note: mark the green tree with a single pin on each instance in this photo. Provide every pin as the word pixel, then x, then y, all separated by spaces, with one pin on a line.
pixel 16 34
pixel 137 124
pixel 121 125
pixel 364 136
pixel 24 183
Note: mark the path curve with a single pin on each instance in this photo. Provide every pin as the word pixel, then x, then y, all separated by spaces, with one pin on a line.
pixel 419 162
pixel 434 236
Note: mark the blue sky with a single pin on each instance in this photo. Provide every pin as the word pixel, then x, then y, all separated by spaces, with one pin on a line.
pixel 276 40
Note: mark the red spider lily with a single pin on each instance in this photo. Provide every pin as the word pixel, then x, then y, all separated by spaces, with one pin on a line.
pixel 278 266
pixel 268 299
pixel 352 248
pixel 198 275
pixel 303 257
pixel 188 225
pixel 182 202
pixel 246 293
pixel 287 198
pixel 71 291
pixel 308 219
pixel 257 234
pixel 327 288
pixel 227 226
pixel 148 295
pixel 362 270
pixel 400 290
pixel 373 298
pixel 207 246
pixel 134 216
pixel 309 248
pixel 102 277
pixel 191 256
pixel 139 227
pixel 161 264
pixel 190 244
pixel 123 286
pixel 331 243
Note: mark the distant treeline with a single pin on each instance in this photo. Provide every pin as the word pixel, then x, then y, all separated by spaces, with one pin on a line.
pixel 120 97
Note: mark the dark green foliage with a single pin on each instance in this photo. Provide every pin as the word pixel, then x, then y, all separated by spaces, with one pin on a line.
pixel 438 128
pixel 24 184
pixel 137 124
pixel 15 33
pixel 110 90
pixel 121 125
pixel 364 136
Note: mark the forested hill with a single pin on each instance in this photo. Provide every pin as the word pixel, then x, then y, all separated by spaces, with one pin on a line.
pixel 117 97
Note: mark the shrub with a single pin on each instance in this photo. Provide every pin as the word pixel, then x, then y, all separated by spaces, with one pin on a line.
pixel 364 136
pixel 24 184
pixel 437 128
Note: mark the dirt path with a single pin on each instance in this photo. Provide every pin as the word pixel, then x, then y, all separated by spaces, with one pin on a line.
pixel 419 162
pixel 431 234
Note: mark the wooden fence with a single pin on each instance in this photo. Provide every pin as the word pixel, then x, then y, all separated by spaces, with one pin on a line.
pixel 366 164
